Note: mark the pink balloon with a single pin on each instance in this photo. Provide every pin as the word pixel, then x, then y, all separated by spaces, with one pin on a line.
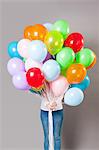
pixel 59 86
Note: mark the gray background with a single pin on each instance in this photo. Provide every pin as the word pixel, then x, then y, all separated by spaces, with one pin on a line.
pixel 19 111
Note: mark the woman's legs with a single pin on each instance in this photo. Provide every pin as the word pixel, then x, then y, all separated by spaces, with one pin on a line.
pixel 44 119
pixel 57 124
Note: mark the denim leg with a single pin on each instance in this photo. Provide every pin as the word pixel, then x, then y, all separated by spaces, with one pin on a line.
pixel 57 124
pixel 44 120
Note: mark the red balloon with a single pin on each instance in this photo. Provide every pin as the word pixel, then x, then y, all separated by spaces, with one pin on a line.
pixel 35 77
pixel 74 41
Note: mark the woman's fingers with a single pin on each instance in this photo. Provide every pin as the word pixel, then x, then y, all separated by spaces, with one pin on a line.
pixel 53 104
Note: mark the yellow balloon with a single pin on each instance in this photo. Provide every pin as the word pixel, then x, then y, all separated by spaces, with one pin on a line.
pixel 54 42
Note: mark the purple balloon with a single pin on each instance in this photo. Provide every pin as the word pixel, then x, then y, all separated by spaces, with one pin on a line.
pixel 49 56
pixel 15 65
pixel 20 82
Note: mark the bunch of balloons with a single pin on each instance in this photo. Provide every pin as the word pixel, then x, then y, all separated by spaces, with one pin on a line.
pixel 50 53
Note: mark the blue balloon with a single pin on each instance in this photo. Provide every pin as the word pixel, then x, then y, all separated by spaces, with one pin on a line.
pixel 51 70
pixel 37 50
pixel 12 50
pixel 83 85
pixel 73 97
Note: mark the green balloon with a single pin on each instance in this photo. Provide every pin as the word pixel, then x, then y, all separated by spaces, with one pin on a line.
pixel 85 57
pixel 65 57
pixel 62 26
pixel 63 72
pixel 54 42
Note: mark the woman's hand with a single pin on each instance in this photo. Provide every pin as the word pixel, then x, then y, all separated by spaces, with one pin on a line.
pixel 53 105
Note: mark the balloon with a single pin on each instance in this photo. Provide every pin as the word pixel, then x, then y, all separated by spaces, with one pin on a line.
pixel 93 63
pixel 73 97
pixel 30 63
pixel 74 41
pixel 36 32
pixel 35 77
pixel 20 82
pixel 15 65
pixel 54 42
pixel 48 26
pixel 63 72
pixel 65 57
pixel 59 86
pixel 83 85
pixel 28 32
pixel 51 70
pixel 61 26
pixel 49 56
pixel 37 50
pixel 85 57
pixel 23 47
pixel 76 73
pixel 12 50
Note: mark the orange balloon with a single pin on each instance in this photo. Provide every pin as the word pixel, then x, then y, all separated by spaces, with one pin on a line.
pixel 36 32
pixel 76 73
pixel 93 63
pixel 28 32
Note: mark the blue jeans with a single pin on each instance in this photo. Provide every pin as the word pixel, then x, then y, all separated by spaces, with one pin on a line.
pixel 57 124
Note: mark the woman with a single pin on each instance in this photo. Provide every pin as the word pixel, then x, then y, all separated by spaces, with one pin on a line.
pixel 49 102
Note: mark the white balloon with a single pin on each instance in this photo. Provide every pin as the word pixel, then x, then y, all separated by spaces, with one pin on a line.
pixel 37 50
pixel 31 64
pixel 23 47
pixel 48 26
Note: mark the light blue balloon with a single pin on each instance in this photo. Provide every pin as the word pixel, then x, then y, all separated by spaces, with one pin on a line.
pixel 51 70
pixel 83 85
pixel 12 50
pixel 37 50
pixel 48 26
pixel 73 97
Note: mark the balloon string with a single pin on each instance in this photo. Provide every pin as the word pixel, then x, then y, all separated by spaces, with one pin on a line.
pixel 51 145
